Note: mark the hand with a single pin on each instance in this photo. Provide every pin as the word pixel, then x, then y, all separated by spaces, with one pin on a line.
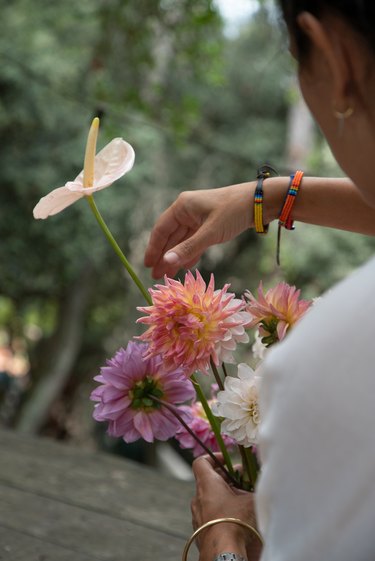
pixel 216 498
pixel 195 221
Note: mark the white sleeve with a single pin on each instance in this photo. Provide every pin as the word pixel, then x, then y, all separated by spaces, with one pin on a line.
pixel 316 493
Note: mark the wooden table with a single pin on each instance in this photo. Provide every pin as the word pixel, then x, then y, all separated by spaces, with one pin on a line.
pixel 59 503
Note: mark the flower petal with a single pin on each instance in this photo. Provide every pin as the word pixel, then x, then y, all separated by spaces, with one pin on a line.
pixel 55 202
pixel 143 426
pixel 111 163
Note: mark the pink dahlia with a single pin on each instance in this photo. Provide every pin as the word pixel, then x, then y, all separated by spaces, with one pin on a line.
pixel 276 311
pixel 201 427
pixel 191 323
pixel 124 398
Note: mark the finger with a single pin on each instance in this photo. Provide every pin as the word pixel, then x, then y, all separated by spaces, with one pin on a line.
pixel 194 507
pixel 171 220
pixel 162 268
pixel 218 455
pixel 166 226
pixel 186 251
pixel 204 468
pixel 177 237
pixel 209 475
pixel 193 262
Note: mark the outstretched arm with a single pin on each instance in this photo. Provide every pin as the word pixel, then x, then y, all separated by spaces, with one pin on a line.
pixel 199 219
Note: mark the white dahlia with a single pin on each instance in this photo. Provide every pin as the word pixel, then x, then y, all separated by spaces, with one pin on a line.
pixel 238 405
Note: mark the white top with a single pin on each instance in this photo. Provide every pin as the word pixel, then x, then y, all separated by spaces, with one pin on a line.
pixel 316 493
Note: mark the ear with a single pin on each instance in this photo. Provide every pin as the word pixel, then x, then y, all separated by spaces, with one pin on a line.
pixel 326 39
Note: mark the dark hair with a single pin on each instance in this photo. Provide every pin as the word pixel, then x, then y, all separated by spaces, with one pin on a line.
pixel 360 14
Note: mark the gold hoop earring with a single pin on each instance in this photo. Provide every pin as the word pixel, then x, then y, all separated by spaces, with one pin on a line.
pixel 341 116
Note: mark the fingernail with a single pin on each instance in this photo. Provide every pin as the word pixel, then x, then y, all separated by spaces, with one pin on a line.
pixel 171 258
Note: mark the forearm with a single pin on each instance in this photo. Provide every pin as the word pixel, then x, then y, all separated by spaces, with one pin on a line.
pixel 335 203
pixel 202 218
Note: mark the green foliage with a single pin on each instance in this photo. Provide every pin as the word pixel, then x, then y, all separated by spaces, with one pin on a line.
pixel 40 136
pixel 150 53
pixel 135 64
pixel 54 58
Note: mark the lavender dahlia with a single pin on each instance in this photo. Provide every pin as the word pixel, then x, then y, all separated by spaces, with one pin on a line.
pixel 125 397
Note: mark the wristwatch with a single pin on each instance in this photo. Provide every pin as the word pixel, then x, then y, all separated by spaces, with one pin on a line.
pixel 229 557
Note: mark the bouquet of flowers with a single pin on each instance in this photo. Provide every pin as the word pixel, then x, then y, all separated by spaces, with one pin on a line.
pixel 150 389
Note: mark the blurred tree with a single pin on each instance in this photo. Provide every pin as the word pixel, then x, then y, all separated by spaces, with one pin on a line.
pixel 60 65
pixel 243 125
pixel 40 134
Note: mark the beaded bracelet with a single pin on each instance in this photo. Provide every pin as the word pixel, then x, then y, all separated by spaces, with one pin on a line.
pixel 285 214
pixel 263 172
pixel 285 217
pixel 213 523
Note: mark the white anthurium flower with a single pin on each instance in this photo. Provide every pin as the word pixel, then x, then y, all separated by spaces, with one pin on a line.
pixel 238 405
pixel 99 171
pixel 111 163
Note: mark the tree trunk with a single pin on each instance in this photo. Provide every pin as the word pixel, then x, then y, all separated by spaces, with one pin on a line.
pixel 62 355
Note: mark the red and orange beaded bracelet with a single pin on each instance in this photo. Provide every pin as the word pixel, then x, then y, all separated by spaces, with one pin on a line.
pixel 285 217
pixel 285 214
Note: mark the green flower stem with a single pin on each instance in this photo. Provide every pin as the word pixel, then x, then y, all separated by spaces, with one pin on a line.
pixel 175 412
pixel 224 370
pixel 117 249
pixel 216 374
pixel 250 465
pixel 214 425
pixel 246 473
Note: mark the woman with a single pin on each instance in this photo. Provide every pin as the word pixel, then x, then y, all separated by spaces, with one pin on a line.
pixel 315 499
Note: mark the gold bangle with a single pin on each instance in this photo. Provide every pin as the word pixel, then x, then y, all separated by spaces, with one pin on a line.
pixel 213 523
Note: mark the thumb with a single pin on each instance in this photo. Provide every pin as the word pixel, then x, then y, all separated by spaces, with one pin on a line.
pixel 190 248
